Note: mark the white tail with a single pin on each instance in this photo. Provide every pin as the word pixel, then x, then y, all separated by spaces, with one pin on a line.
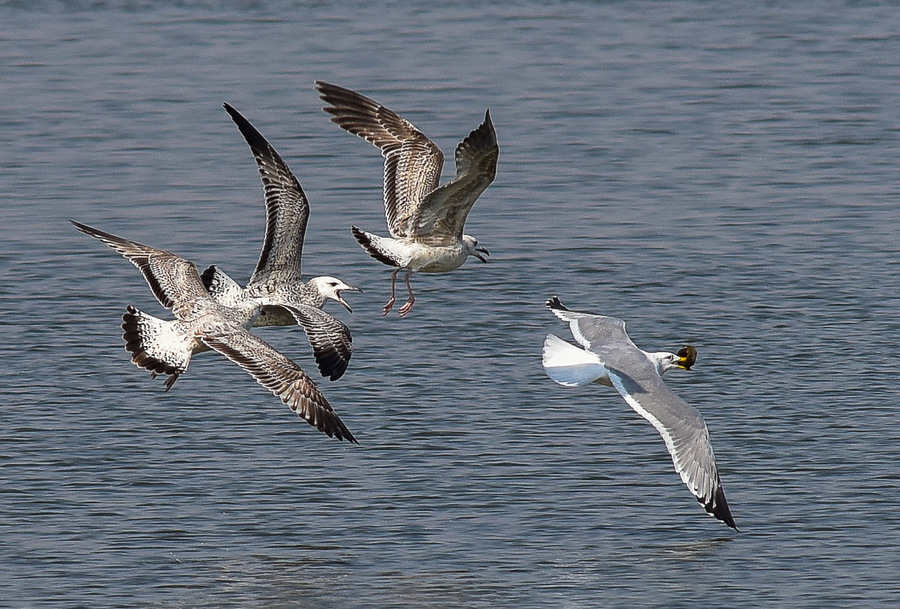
pixel 570 365
pixel 156 344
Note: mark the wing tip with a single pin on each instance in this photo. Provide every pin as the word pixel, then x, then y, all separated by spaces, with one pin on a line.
pixel 718 508
pixel 334 427
pixel 255 139
pixel 555 304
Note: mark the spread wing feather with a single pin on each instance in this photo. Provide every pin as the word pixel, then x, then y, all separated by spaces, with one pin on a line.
pixel 329 337
pixel 444 211
pixel 287 208
pixel 412 162
pixel 174 281
pixel 283 378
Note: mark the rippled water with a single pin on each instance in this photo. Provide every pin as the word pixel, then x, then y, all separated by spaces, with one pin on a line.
pixel 716 174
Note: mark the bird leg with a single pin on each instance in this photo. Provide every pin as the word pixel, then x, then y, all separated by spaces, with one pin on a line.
pixel 171 381
pixel 409 303
pixel 390 303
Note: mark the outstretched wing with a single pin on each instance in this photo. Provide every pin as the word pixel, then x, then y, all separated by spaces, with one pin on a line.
pixel 412 162
pixel 287 208
pixel 588 329
pixel 636 378
pixel 282 377
pixel 442 215
pixel 681 426
pixel 329 337
pixel 173 280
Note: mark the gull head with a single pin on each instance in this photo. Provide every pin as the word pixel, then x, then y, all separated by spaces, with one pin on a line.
pixel 331 287
pixel 472 249
pixel 684 359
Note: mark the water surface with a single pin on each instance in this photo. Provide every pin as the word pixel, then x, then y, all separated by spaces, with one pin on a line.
pixel 716 174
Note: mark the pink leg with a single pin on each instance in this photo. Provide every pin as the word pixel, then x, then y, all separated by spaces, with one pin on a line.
pixel 390 303
pixel 409 303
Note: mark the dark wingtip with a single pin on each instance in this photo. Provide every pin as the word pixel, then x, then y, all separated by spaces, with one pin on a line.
pixel 207 276
pixel 236 116
pixel 342 433
pixel 90 231
pixel 555 303
pixel 252 135
pixel 719 509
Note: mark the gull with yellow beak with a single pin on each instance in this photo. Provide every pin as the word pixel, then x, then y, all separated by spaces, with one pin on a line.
pixel 610 357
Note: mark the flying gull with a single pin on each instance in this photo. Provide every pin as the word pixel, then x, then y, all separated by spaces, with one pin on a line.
pixel 425 220
pixel 166 346
pixel 609 357
pixel 276 283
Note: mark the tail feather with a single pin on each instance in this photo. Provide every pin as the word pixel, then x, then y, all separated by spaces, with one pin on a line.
pixel 570 365
pixel 373 246
pixel 156 345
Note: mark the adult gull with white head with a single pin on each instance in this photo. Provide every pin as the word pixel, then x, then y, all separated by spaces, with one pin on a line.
pixel 610 357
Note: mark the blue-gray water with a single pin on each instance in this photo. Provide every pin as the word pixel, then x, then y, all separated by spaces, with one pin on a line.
pixel 721 174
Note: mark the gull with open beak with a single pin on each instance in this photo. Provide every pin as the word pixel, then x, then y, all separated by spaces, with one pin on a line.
pixel 425 220
pixel 277 278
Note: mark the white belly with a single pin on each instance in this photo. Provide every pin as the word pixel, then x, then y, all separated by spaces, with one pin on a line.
pixel 426 259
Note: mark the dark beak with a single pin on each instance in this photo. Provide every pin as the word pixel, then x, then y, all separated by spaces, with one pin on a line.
pixel 479 251
pixel 341 298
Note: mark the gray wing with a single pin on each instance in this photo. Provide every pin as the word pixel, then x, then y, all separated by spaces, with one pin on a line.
pixel 681 426
pixel 636 378
pixel 283 378
pixel 329 337
pixel 442 215
pixel 287 208
pixel 412 162
pixel 591 330
pixel 174 281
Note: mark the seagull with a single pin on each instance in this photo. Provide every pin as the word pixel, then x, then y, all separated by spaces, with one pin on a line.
pixel 425 220
pixel 166 346
pixel 276 281
pixel 610 358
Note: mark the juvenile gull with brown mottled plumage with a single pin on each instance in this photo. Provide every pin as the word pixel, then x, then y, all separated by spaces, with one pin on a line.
pixel 425 220
pixel 166 346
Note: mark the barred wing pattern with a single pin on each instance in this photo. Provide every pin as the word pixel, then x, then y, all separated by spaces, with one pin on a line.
pixel 283 378
pixel 287 208
pixel 412 162
pixel 173 280
pixel 330 339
